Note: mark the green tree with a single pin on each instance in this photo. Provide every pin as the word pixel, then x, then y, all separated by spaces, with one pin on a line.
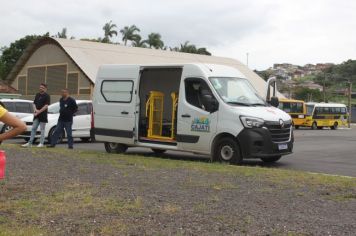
pixel 138 42
pixel 129 33
pixel 62 34
pixel 109 31
pixel 154 40
pixel 307 94
pixel 11 54
pixel 191 48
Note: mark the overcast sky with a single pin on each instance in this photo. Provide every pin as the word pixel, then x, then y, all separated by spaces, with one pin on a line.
pixel 273 31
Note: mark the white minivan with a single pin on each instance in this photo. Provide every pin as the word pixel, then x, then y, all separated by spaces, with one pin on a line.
pixel 198 108
pixel 81 122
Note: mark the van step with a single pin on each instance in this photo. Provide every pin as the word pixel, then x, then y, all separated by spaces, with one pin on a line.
pixel 157 141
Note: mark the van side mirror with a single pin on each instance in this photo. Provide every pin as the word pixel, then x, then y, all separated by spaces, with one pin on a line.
pixel 210 103
pixel 274 101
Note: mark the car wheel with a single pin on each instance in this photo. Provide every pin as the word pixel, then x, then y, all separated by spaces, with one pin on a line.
pixel 158 151
pixel 335 126
pixel 314 126
pixel 5 129
pixel 296 127
pixel 227 150
pixel 115 147
pixel 271 159
pixel 320 127
pixel 85 140
pixel 50 134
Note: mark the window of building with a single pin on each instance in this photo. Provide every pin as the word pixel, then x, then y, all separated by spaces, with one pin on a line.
pixel 35 76
pixel 56 78
pixel 117 91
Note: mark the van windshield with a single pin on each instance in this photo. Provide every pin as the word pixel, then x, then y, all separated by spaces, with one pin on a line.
pixel 236 91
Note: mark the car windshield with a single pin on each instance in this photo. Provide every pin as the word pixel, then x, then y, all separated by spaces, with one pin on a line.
pixel 236 91
pixel 54 108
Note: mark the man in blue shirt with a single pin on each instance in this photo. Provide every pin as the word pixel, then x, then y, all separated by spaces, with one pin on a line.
pixel 68 107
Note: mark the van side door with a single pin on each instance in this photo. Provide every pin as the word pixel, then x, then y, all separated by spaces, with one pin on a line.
pixel 197 115
pixel 115 104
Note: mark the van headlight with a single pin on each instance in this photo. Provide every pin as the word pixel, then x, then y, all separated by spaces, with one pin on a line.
pixel 251 122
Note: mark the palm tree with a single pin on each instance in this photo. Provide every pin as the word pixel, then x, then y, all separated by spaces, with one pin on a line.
pixel 138 42
pixel 191 48
pixel 186 47
pixel 62 34
pixel 109 31
pixel 203 51
pixel 154 41
pixel 129 33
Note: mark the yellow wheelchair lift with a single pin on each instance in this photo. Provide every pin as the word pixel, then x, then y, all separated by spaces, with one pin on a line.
pixel 154 112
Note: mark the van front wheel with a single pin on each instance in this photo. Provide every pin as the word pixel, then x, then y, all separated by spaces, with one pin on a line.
pixel 227 150
pixel 115 147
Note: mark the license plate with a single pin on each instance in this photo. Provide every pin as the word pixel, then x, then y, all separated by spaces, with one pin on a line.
pixel 282 146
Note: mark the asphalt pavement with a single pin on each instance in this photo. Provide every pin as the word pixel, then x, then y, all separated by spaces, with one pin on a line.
pixel 323 151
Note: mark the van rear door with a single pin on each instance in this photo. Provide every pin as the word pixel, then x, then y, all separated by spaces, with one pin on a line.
pixel 115 103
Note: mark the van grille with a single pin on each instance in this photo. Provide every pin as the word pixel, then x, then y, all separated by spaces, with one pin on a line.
pixel 278 133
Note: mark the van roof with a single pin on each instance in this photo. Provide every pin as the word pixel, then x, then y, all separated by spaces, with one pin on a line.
pixel 210 70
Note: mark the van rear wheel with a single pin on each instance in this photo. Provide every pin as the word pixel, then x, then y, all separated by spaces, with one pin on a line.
pixel 271 159
pixel 227 150
pixel 115 147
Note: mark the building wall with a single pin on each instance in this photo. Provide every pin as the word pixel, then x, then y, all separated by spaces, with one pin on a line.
pixel 51 65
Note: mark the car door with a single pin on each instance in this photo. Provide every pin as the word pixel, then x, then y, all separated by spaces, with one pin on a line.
pixel 115 104
pixel 81 121
pixel 197 119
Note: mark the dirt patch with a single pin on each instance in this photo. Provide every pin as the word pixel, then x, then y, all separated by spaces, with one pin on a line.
pixel 60 192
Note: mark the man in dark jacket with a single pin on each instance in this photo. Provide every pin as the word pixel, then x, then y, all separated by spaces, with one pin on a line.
pixel 68 107
pixel 40 118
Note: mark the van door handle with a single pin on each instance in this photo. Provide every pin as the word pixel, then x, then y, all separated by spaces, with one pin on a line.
pixel 186 116
pixel 124 112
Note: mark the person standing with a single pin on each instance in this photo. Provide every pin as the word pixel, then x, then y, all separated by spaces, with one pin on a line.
pixel 40 118
pixel 68 107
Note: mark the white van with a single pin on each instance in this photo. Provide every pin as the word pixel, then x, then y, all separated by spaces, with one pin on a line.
pixel 199 108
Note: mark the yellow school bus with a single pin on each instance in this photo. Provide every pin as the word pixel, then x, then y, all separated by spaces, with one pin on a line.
pixel 295 108
pixel 321 115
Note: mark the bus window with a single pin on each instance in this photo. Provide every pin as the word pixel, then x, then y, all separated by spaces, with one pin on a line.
pixel 310 109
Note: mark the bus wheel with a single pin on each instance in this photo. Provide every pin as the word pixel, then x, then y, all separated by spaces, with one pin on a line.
pixel 115 147
pixel 271 159
pixel 227 150
pixel 320 127
pixel 314 126
pixel 158 151
pixel 296 127
pixel 334 126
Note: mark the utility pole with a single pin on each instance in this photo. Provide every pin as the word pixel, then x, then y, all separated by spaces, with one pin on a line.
pixel 350 107
pixel 247 59
pixel 324 87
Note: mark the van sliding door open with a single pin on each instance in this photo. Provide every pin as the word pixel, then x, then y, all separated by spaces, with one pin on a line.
pixel 115 107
